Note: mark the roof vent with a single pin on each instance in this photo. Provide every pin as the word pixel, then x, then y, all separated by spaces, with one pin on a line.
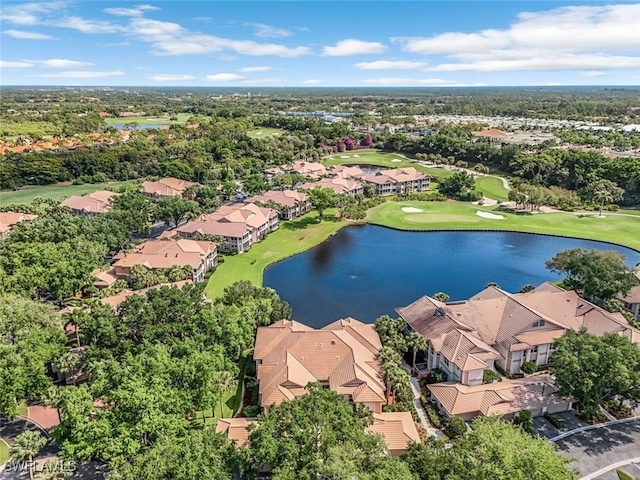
pixel 333 342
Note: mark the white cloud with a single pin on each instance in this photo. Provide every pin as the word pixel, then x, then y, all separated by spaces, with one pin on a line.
pixel 352 46
pixel 541 62
pixel 254 69
pixel 29 13
pixel 594 74
pixel 268 31
pixel 390 65
pixel 4 64
pixel 28 35
pixel 130 12
pixel 564 38
pixel 225 77
pixel 90 26
pixel 63 63
pixel 170 77
pixel 312 81
pixel 400 81
pixel 168 38
pixel 81 74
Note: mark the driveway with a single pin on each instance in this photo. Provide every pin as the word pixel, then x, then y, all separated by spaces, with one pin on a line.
pixel 596 449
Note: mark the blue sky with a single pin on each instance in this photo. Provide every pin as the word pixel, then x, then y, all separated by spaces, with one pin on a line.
pixel 320 43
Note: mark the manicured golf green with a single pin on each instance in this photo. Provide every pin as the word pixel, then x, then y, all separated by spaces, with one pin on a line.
pixel 381 159
pixel 4 451
pixel 265 132
pixel 182 118
pixel 57 192
pixel 292 237
pixel 492 187
pixel 623 230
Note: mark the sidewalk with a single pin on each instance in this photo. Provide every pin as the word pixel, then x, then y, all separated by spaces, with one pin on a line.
pixel 424 420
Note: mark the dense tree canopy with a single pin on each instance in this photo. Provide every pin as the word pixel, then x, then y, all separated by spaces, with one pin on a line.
pixel 596 274
pixel 320 436
pixel 594 369
pixel 31 336
pixel 493 450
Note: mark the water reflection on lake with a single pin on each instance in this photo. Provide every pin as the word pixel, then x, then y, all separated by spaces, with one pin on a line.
pixel 367 271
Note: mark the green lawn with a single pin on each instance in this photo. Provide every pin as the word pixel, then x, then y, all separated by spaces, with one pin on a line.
pixel 57 192
pixel 182 118
pixel 265 132
pixel 292 237
pixel 381 159
pixel 453 215
pixel 4 452
pixel 492 187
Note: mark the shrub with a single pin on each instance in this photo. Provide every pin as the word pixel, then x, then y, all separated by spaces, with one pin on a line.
pixel 529 367
pixel 251 410
pixel 623 476
pixel 612 208
pixel 489 376
pixel 403 407
pixel 434 416
pixel 437 375
pixel 424 400
pixel 525 420
pixel 617 409
pixel 456 427
pixel 553 420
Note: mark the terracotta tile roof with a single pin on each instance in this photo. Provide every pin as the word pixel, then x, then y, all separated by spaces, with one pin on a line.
pixel 346 171
pixel 338 185
pixel 633 297
pixel 9 219
pixel 408 174
pixel 290 355
pixel 508 396
pixel 236 429
pixel 309 168
pixel 167 187
pixel 287 198
pixel 166 253
pixel 96 202
pixel 397 428
pixel 498 318
pixel 231 220
pixel 105 278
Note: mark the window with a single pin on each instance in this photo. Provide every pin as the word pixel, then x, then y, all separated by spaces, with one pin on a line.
pixel 534 349
pixel 539 323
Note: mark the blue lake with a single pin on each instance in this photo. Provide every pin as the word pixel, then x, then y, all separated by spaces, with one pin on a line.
pixel 366 271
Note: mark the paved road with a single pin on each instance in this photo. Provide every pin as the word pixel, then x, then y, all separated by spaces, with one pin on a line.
pixel 598 448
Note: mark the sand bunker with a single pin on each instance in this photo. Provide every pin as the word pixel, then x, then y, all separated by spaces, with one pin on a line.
pixel 344 156
pixel 356 155
pixel 492 216
pixel 411 210
pixel 258 133
pixel 396 160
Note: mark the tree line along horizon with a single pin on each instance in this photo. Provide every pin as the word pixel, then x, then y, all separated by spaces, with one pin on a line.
pixel 161 360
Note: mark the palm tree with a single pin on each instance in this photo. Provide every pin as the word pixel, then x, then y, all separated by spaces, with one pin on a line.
pixel 601 197
pixel 175 273
pixel 389 355
pixel 441 297
pixel 527 288
pixel 416 342
pixel 66 363
pixel 224 382
pixel 27 445
pixel 393 375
